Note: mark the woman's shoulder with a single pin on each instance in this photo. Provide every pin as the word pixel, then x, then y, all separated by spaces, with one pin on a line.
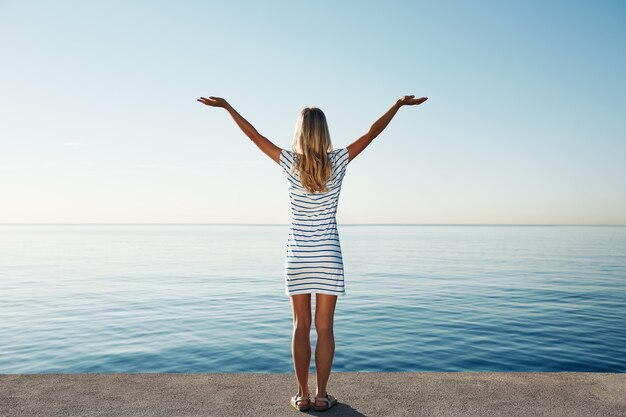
pixel 339 153
pixel 289 152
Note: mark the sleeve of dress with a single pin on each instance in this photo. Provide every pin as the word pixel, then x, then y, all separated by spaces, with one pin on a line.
pixel 286 160
pixel 342 159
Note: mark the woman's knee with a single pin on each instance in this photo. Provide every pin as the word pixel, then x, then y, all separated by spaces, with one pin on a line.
pixel 324 328
pixel 302 325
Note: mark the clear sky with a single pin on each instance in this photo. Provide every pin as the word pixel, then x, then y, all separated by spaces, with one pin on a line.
pixel 525 121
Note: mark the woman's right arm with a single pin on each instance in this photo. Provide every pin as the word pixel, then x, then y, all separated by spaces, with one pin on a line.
pixel 379 125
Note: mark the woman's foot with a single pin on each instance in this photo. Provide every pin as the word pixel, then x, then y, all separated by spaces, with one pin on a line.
pixel 323 402
pixel 301 402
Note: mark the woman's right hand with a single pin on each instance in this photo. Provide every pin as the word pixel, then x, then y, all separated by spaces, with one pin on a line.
pixel 411 100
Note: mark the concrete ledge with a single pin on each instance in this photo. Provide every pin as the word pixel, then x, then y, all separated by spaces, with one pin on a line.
pixel 359 393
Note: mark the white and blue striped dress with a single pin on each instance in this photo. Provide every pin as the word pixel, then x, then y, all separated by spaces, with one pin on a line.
pixel 314 263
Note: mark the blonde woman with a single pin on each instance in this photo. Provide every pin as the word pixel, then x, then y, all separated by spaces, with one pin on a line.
pixel 314 263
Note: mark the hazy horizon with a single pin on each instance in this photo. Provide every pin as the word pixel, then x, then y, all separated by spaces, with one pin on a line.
pixel 287 224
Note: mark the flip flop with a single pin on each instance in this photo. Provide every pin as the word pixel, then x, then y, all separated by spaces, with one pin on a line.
pixel 298 398
pixel 329 399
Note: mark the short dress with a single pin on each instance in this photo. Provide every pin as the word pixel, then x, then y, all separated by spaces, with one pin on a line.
pixel 314 262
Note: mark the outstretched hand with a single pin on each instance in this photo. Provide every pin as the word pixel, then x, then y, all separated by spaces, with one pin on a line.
pixel 213 101
pixel 411 100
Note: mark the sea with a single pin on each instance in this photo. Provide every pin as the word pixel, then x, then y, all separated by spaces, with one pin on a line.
pixel 128 298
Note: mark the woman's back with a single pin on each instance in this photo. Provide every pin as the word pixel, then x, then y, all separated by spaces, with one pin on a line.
pixel 314 263
pixel 309 204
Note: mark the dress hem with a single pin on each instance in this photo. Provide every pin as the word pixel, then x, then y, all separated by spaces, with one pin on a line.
pixel 315 291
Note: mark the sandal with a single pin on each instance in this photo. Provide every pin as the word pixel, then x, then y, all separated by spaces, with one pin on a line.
pixel 298 398
pixel 329 399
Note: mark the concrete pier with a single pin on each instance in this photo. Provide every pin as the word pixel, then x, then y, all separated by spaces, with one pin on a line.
pixel 359 393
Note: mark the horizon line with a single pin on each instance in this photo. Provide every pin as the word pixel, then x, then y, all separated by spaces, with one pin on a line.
pixel 287 224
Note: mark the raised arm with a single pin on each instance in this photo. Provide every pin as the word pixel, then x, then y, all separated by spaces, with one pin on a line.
pixel 259 140
pixel 379 125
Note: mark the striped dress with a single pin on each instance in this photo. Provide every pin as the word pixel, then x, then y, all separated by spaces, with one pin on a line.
pixel 313 261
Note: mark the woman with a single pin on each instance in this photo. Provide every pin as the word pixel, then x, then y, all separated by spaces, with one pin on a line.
pixel 313 264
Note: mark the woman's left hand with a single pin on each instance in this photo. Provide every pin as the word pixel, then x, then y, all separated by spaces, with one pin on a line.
pixel 213 101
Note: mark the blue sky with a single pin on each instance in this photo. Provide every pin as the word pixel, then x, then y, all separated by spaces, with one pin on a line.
pixel 524 122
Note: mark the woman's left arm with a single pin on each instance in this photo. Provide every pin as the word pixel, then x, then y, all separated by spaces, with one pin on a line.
pixel 259 140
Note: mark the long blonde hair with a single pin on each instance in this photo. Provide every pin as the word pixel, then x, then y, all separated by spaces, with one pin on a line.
pixel 311 143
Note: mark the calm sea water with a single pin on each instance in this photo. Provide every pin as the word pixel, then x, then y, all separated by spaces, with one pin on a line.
pixel 210 298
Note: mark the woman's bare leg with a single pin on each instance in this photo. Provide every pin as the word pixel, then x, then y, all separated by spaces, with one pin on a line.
pixel 301 343
pixel 325 346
